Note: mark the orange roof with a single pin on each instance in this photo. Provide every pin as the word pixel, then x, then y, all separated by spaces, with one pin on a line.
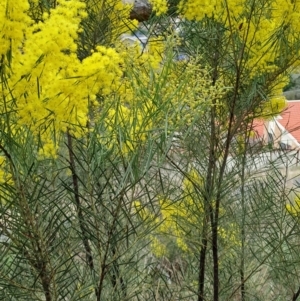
pixel 290 118
pixel 258 127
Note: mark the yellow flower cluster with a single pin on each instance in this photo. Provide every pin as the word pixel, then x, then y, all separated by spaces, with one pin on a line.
pixel 230 235
pixel 127 127
pixel 197 10
pixel 13 24
pixel 255 28
pixel 190 87
pixel 159 6
pixel 235 12
pixel 128 118
pixel 276 102
pixel 294 209
pixel 157 86
pixel 180 221
pixel 4 174
pixel 47 86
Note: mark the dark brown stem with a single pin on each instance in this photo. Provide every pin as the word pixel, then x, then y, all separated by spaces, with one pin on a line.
pixel 207 217
pixel 84 232
pixel 204 240
pixel 242 267
pixel 232 128
pixel 214 224
pixel 296 295
pixel 213 216
pixel 116 274
pixel 210 179
pixel 214 144
pixel 45 281
pixel 208 210
pixel 201 275
pixel 104 265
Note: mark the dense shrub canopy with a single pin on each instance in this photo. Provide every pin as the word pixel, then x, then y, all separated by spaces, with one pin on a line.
pixel 126 168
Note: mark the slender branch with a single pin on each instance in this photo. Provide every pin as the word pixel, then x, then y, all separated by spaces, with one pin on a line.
pixel 104 265
pixel 39 258
pixel 296 295
pixel 84 231
pixel 214 141
pixel 243 234
pixel 201 274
